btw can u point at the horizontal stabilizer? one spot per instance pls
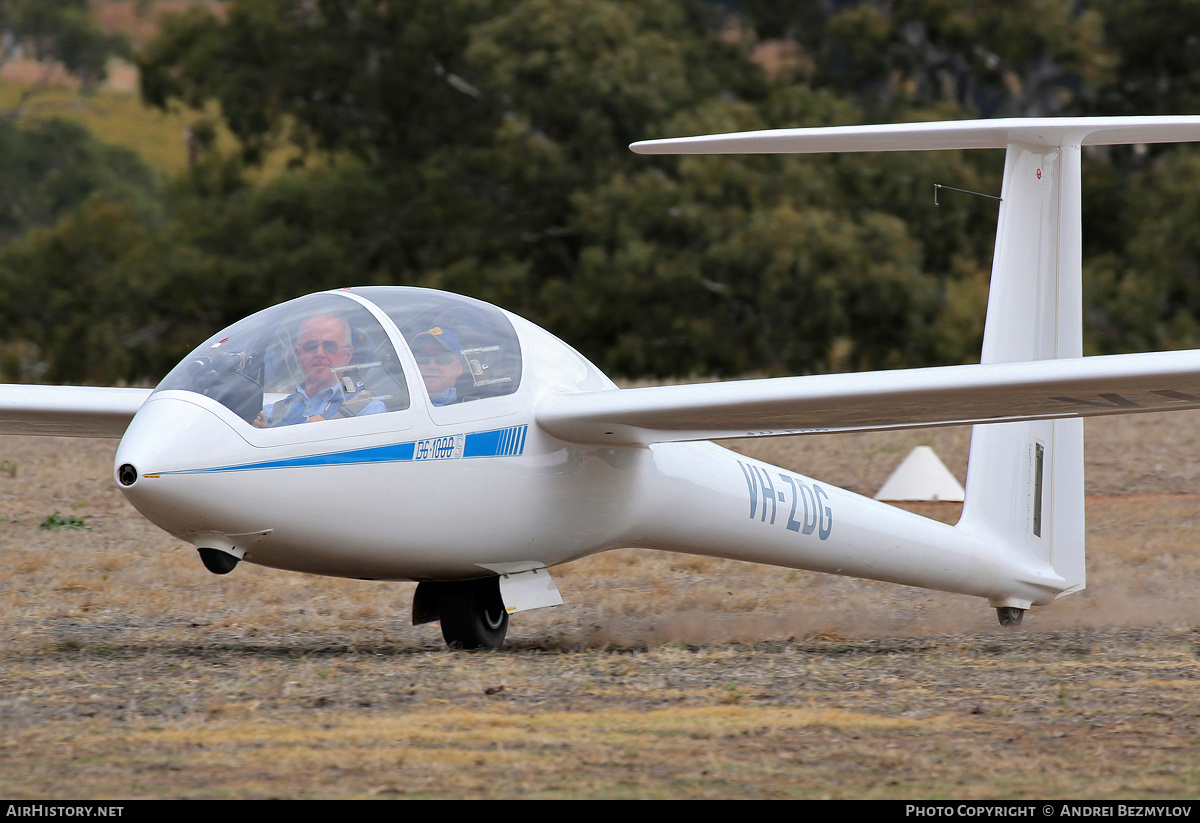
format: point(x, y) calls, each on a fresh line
point(961, 134)
point(78, 411)
point(867, 401)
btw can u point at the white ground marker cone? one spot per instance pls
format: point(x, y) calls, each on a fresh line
point(922, 476)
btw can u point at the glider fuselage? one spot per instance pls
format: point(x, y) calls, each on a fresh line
point(476, 488)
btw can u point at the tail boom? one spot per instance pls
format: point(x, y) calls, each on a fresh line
point(724, 505)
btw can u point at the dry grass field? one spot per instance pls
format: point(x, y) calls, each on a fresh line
point(130, 672)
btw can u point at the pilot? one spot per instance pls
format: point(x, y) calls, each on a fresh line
point(439, 356)
point(322, 346)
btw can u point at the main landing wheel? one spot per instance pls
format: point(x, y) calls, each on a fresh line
point(1009, 616)
point(472, 614)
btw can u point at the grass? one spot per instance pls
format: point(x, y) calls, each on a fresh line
point(58, 521)
point(120, 118)
point(277, 731)
point(126, 671)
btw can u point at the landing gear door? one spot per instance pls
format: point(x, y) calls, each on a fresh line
point(529, 588)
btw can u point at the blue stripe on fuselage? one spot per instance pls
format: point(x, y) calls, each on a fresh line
point(508, 442)
point(498, 443)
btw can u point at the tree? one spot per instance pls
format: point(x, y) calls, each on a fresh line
point(382, 80)
point(58, 34)
point(480, 146)
point(1147, 298)
point(79, 300)
point(48, 168)
point(480, 120)
point(1156, 47)
point(991, 57)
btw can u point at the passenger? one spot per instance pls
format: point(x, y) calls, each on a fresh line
point(323, 345)
point(439, 355)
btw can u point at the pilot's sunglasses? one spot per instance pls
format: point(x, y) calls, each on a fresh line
point(311, 346)
point(441, 358)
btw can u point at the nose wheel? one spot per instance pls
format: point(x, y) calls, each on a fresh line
point(1009, 616)
point(218, 562)
point(472, 614)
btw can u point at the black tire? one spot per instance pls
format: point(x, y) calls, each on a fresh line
point(1009, 616)
point(217, 561)
point(473, 615)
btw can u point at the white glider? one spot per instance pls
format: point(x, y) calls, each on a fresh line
point(400, 433)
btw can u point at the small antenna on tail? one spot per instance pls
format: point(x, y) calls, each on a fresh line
point(937, 186)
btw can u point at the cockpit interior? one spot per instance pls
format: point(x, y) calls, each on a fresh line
point(337, 355)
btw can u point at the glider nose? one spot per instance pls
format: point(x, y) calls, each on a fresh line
point(165, 455)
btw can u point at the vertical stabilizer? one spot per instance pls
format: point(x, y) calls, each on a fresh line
point(1025, 480)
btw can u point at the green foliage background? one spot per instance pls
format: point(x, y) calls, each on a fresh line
point(481, 146)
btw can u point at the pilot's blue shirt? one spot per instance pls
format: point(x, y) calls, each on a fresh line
point(447, 397)
point(325, 403)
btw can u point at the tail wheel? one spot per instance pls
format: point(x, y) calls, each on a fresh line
point(472, 614)
point(1009, 616)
